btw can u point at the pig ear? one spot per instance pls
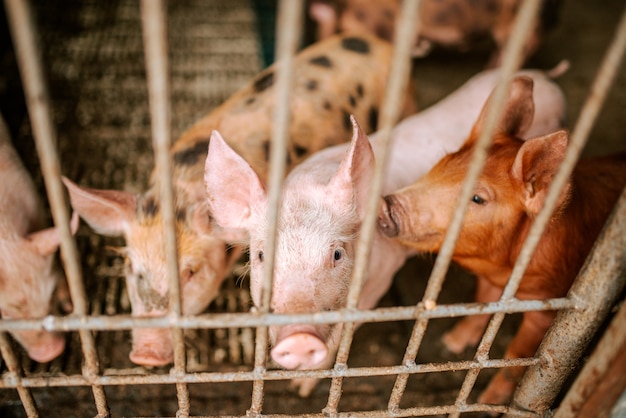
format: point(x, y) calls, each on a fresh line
point(233, 188)
point(47, 240)
point(351, 183)
point(535, 166)
point(109, 212)
point(519, 109)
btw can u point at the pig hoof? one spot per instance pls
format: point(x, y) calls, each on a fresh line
point(300, 351)
point(453, 344)
point(149, 358)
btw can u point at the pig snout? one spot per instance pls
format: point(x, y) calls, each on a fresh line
point(299, 348)
point(41, 346)
point(386, 221)
point(152, 347)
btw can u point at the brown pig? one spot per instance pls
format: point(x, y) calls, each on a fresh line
point(450, 23)
point(28, 270)
point(509, 194)
point(340, 76)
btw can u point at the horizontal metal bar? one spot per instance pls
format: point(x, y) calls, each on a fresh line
point(127, 377)
point(255, 319)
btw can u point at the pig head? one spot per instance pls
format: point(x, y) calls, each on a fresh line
point(204, 259)
point(321, 210)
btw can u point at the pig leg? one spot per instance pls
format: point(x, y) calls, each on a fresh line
point(524, 344)
point(469, 330)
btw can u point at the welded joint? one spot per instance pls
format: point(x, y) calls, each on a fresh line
point(13, 378)
point(178, 374)
point(341, 369)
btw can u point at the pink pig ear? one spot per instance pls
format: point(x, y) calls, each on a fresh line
point(351, 183)
point(519, 109)
point(109, 212)
point(233, 188)
point(535, 166)
point(47, 240)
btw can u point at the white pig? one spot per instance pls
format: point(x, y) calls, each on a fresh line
point(28, 273)
point(322, 207)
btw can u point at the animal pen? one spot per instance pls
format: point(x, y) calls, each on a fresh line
point(88, 87)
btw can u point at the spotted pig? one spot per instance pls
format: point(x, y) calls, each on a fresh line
point(342, 75)
point(448, 23)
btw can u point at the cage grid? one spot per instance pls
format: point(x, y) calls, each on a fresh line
point(245, 338)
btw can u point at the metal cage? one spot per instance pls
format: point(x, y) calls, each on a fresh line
point(243, 334)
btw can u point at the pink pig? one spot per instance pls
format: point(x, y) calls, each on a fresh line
point(452, 23)
point(322, 207)
point(341, 75)
point(28, 274)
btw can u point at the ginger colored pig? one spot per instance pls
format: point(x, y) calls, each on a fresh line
point(323, 205)
point(332, 79)
point(448, 23)
point(28, 271)
point(509, 194)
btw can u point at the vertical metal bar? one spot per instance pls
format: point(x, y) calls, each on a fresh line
point(290, 14)
point(30, 407)
point(595, 371)
point(396, 86)
point(511, 61)
point(29, 60)
point(601, 280)
point(154, 25)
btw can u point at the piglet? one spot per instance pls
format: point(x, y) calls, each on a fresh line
point(451, 23)
point(28, 270)
point(322, 207)
point(509, 194)
point(332, 79)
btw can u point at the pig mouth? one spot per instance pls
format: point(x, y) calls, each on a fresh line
point(386, 222)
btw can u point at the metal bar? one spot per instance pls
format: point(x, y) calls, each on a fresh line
point(38, 103)
point(390, 113)
point(15, 375)
point(573, 329)
point(290, 14)
point(244, 320)
point(593, 375)
point(130, 377)
point(157, 67)
point(511, 61)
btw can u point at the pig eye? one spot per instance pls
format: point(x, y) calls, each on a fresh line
point(478, 200)
point(261, 256)
point(338, 254)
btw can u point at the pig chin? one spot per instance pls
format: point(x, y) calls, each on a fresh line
point(41, 346)
point(152, 347)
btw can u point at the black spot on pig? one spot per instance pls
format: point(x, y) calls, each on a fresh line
point(264, 82)
point(384, 32)
point(355, 44)
point(191, 156)
point(359, 90)
point(311, 85)
point(181, 215)
point(346, 120)
point(352, 100)
point(327, 105)
point(150, 207)
point(266, 149)
point(250, 100)
point(322, 61)
point(300, 150)
point(373, 118)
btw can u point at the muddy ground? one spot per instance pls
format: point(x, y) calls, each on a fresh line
point(94, 58)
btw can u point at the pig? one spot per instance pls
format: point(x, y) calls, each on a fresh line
point(322, 206)
point(452, 23)
point(343, 74)
point(29, 273)
point(509, 194)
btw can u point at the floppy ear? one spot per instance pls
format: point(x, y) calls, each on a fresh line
point(233, 188)
point(351, 183)
point(109, 212)
point(519, 109)
point(535, 166)
point(47, 240)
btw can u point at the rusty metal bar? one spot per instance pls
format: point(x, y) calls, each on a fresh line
point(591, 377)
point(15, 375)
point(245, 320)
point(573, 329)
point(130, 377)
point(289, 24)
point(511, 61)
point(390, 113)
point(37, 99)
point(154, 26)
